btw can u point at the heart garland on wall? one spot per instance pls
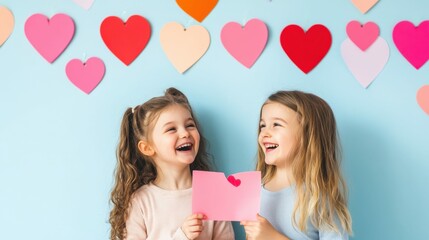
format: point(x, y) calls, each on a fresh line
point(85, 4)
point(412, 42)
point(364, 52)
point(423, 98)
point(85, 76)
point(246, 43)
point(7, 22)
point(184, 46)
point(125, 40)
point(364, 5)
point(197, 9)
point(306, 49)
point(50, 37)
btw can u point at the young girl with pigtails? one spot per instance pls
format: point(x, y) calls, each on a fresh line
point(160, 144)
point(303, 194)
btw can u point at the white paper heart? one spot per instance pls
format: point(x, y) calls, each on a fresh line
point(85, 4)
point(365, 65)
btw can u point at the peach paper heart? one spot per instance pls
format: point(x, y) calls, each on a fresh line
point(7, 23)
point(184, 46)
point(86, 76)
point(423, 98)
point(364, 5)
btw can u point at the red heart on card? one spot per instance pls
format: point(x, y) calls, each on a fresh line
point(125, 40)
point(198, 9)
point(306, 49)
point(233, 181)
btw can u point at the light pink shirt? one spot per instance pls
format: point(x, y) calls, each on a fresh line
point(157, 214)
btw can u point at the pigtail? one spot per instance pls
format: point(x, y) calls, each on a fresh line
point(128, 174)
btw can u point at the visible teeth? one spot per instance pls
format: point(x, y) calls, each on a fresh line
point(271, 146)
point(185, 146)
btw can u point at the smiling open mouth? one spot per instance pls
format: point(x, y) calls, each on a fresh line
point(184, 147)
point(271, 146)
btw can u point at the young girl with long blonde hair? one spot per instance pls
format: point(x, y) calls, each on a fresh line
point(160, 144)
point(303, 194)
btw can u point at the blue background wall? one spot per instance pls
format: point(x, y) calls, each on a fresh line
point(57, 144)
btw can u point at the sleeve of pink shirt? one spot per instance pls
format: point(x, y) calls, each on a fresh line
point(136, 228)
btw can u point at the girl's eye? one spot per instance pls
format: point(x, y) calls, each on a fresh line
point(171, 129)
point(277, 125)
point(261, 126)
point(191, 125)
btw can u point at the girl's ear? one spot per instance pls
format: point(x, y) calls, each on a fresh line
point(146, 148)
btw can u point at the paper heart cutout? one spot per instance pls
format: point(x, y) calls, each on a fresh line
point(362, 35)
point(412, 42)
point(364, 5)
point(125, 40)
point(233, 181)
point(197, 9)
point(85, 4)
point(423, 98)
point(184, 47)
point(306, 49)
point(49, 37)
point(7, 22)
point(246, 43)
point(365, 65)
point(85, 76)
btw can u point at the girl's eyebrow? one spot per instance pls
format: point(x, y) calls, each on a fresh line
point(171, 122)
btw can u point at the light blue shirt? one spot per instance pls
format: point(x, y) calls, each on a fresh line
point(277, 208)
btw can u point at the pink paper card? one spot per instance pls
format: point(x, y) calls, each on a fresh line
point(235, 198)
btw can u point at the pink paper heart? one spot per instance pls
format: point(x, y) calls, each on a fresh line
point(365, 65)
point(184, 47)
point(423, 98)
point(246, 43)
point(7, 23)
point(233, 181)
point(412, 42)
point(85, 76)
point(49, 37)
point(85, 4)
point(362, 35)
point(364, 5)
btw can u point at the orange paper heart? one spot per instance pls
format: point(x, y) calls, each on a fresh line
point(198, 9)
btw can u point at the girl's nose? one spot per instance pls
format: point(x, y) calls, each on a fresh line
point(184, 134)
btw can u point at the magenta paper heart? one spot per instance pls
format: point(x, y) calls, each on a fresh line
point(85, 76)
point(362, 35)
point(423, 98)
point(49, 37)
point(85, 4)
point(233, 181)
point(246, 43)
point(412, 42)
point(365, 65)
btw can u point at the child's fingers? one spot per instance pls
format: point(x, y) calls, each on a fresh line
point(195, 222)
point(196, 215)
point(195, 229)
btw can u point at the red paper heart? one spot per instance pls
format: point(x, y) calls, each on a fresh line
point(233, 181)
point(306, 49)
point(125, 40)
point(198, 9)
